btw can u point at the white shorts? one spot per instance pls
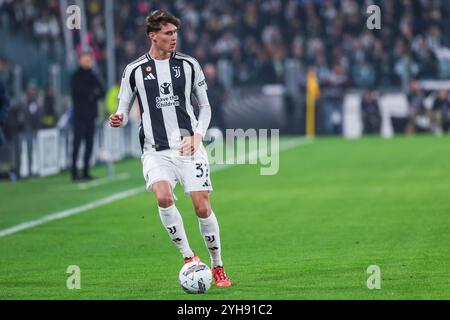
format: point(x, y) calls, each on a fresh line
point(168, 165)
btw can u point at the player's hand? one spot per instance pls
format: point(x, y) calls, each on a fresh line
point(190, 145)
point(116, 120)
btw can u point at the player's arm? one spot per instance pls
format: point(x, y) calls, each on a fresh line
point(190, 146)
point(200, 91)
point(126, 98)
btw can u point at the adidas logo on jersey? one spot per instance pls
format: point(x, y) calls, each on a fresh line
point(150, 77)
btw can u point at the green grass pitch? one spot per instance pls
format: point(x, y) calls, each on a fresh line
point(310, 232)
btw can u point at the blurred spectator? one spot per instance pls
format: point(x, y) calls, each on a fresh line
point(6, 73)
point(370, 111)
point(46, 29)
point(441, 112)
point(31, 109)
point(416, 106)
point(4, 151)
point(406, 68)
point(216, 96)
point(28, 116)
point(4, 109)
point(96, 52)
point(363, 73)
point(335, 86)
point(86, 91)
point(294, 81)
point(321, 68)
point(49, 113)
point(225, 73)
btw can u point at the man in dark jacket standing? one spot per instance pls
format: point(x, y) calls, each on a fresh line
point(371, 115)
point(4, 109)
point(86, 91)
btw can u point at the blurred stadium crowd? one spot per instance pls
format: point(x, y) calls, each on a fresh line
point(256, 37)
point(252, 43)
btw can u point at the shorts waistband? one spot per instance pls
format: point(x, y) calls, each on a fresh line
point(159, 147)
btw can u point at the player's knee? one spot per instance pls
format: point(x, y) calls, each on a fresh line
point(164, 200)
point(203, 211)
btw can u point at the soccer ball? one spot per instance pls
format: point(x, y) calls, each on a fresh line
point(195, 277)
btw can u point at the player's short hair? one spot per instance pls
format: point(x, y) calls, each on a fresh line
point(157, 18)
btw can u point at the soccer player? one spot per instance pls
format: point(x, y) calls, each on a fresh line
point(170, 134)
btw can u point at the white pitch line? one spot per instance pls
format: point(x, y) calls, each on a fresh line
point(70, 212)
point(123, 195)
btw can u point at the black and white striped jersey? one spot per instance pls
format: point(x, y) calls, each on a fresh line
point(164, 89)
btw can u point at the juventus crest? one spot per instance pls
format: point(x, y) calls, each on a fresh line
point(177, 72)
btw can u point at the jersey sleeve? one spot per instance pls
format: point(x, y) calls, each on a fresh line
point(126, 95)
point(200, 84)
point(200, 88)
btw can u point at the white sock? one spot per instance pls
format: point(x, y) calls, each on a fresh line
point(171, 219)
point(209, 228)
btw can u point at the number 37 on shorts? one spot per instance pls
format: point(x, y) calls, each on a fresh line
point(202, 174)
